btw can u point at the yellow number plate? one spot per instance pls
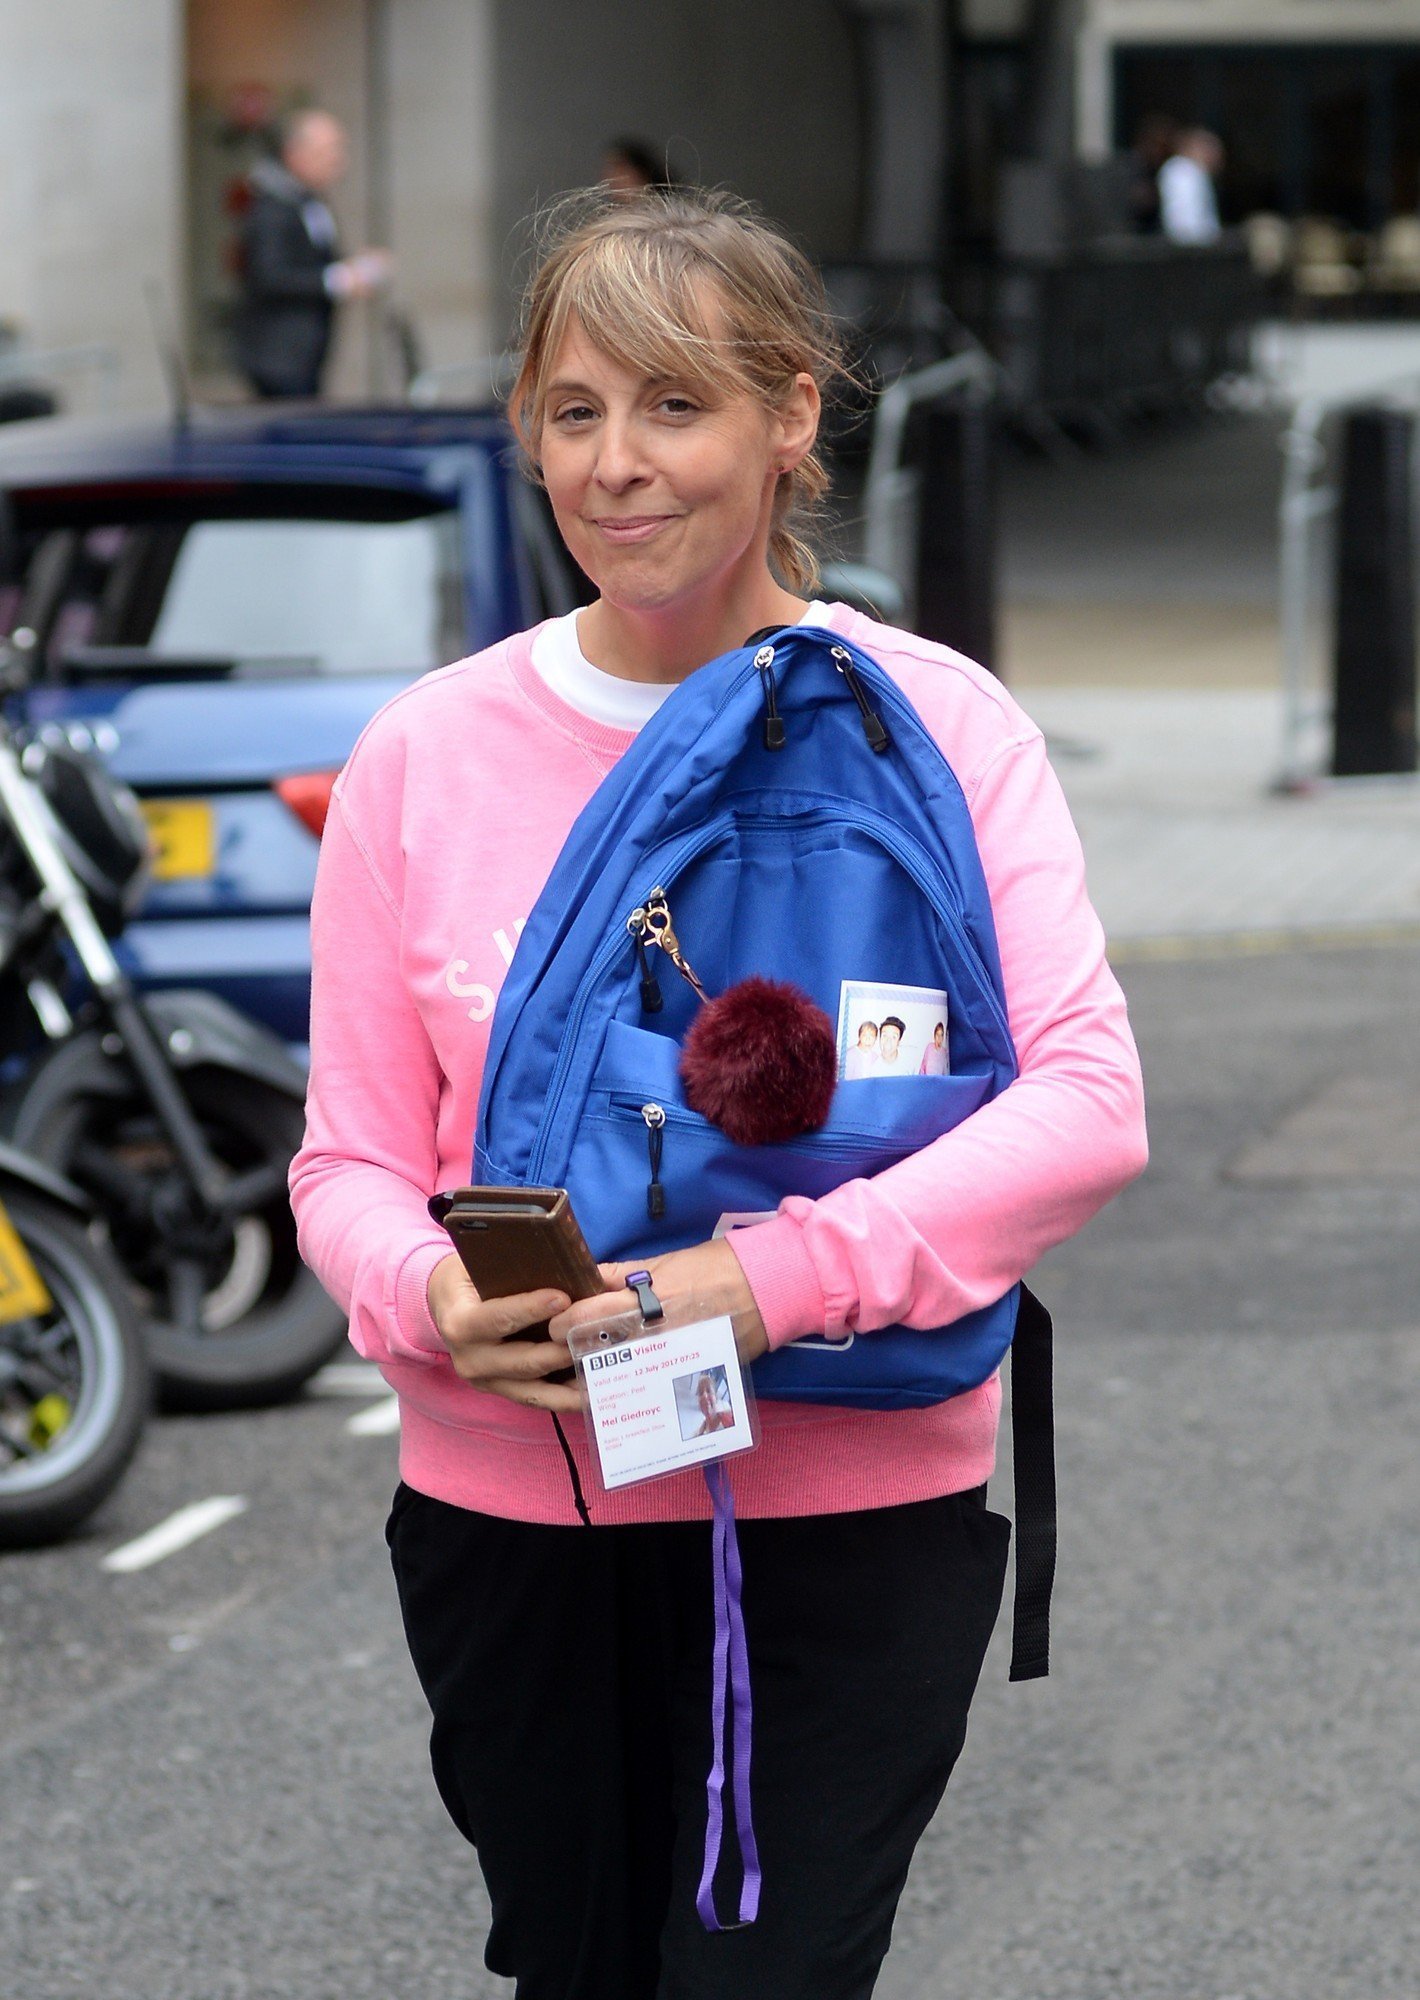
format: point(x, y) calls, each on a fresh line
point(22, 1289)
point(184, 838)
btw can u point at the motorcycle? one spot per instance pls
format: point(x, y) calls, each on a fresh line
point(171, 1112)
point(74, 1374)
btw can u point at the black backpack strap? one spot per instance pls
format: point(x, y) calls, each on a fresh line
point(1033, 1446)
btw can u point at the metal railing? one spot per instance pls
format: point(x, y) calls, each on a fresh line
point(890, 490)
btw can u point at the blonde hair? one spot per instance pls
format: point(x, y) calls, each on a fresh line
point(643, 278)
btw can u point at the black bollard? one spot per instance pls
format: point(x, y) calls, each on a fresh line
point(1374, 713)
point(953, 448)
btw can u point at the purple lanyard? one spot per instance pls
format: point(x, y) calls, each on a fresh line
point(731, 1671)
point(732, 1668)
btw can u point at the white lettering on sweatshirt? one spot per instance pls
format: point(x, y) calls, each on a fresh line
point(484, 997)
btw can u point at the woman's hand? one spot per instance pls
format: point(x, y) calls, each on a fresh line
point(478, 1334)
point(705, 1280)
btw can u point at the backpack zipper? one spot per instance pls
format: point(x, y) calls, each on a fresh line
point(878, 738)
point(773, 720)
point(611, 945)
point(624, 1104)
point(910, 855)
point(658, 1118)
point(651, 1000)
point(653, 1116)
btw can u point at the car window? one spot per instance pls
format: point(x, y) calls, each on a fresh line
point(347, 596)
point(296, 594)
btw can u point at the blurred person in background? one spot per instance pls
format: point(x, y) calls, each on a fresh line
point(1154, 142)
point(292, 268)
point(630, 166)
point(1188, 202)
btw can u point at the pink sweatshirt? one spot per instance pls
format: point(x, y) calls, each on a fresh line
point(443, 828)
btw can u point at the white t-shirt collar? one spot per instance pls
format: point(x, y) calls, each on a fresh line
point(607, 698)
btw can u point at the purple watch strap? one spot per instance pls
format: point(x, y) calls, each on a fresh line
point(731, 1666)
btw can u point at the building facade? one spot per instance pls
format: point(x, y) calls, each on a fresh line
point(873, 128)
point(91, 203)
point(126, 132)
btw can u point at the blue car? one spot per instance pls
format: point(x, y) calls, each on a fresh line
point(224, 604)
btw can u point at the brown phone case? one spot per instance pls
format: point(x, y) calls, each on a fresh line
point(519, 1240)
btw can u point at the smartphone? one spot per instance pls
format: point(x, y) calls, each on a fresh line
point(513, 1239)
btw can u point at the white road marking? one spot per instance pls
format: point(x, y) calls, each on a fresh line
point(200, 1518)
point(346, 1378)
point(378, 1421)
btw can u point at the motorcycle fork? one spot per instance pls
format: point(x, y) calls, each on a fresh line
point(207, 1176)
point(34, 822)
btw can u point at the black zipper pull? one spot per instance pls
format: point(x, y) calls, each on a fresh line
point(773, 720)
point(878, 738)
point(651, 1002)
point(655, 1119)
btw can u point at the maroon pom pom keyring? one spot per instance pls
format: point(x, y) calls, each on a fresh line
point(760, 1060)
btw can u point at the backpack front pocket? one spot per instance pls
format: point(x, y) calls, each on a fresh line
point(644, 1165)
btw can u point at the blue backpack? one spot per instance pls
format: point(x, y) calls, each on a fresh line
point(803, 825)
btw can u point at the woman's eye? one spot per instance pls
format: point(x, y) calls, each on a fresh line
point(575, 414)
point(678, 406)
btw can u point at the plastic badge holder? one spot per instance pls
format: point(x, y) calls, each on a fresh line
point(663, 1391)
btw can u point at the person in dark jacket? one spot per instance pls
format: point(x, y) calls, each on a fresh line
point(292, 268)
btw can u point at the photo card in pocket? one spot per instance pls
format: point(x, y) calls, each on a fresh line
point(889, 1031)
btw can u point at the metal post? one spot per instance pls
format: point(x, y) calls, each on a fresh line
point(954, 448)
point(890, 494)
point(1374, 655)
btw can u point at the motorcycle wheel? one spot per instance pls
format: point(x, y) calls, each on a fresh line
point(234, 1318)
point(74, 1383)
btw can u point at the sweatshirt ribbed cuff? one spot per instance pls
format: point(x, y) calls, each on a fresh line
point(782, 1277)
point(414, 1323)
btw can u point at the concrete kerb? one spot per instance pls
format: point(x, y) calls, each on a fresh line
point(1187, 839)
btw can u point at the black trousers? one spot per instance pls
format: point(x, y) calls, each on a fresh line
point(568, 1670)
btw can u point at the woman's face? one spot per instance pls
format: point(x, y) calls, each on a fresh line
point(662, 492)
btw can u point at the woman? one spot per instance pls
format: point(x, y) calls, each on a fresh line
point(863, 1056)
point(673, 362)
point(711, 1400)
